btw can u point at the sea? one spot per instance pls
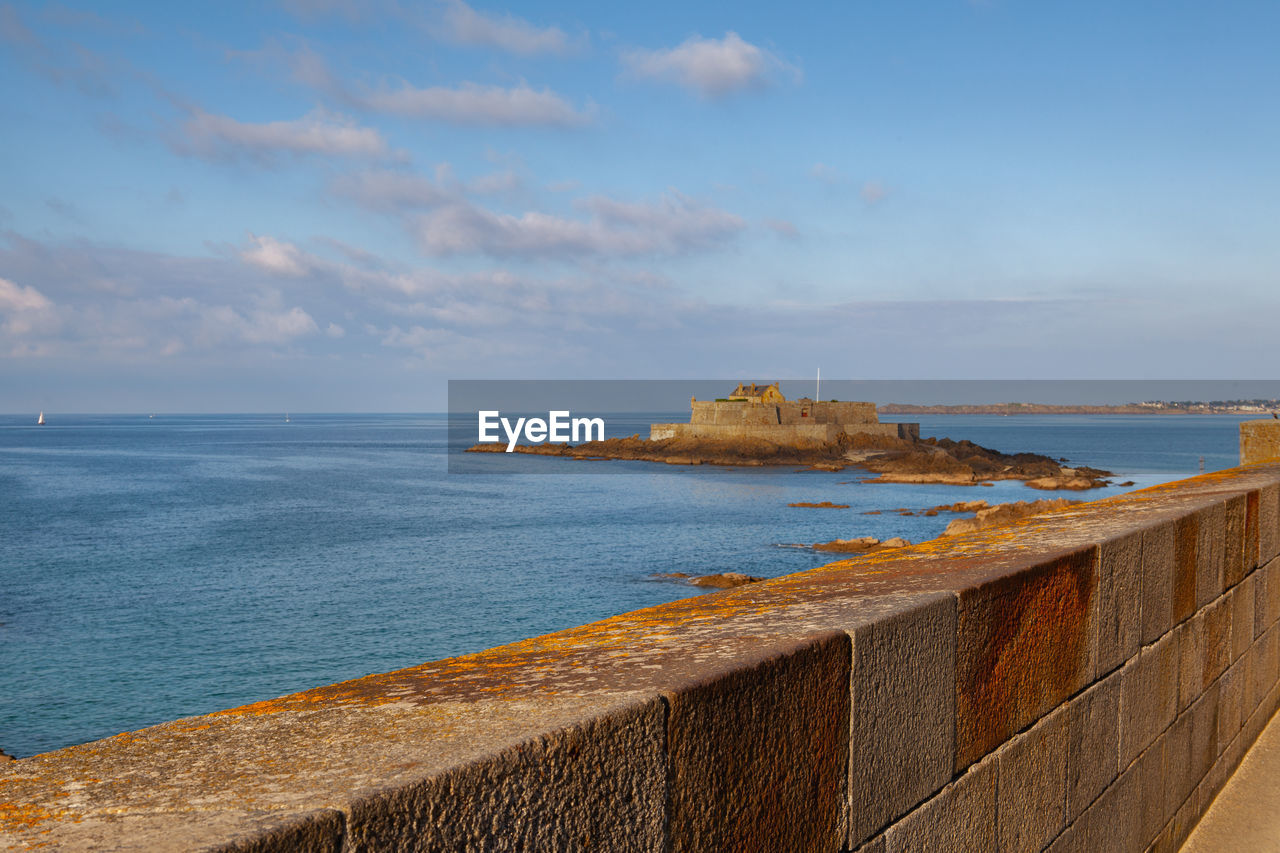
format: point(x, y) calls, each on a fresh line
point(156, 567)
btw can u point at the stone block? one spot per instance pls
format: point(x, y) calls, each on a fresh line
point(1250, 669)
point(1190, 640)
point(1179, 779)
point(1111, 822)
point(1163, 842)
point(1186, 566)
point(902, 715)
point(1093, 744)
point(599, 784)
point(875, 845)
point(1263, 662)
point(1252, 531)
point(1266, 603)
point(1242, 620)
point(1211, 535)
point(958, 819)
point(1185, 819)
point(1149, 773)
point(1236, 564)
point(760, 752)
point(1119, 601)
point(1157, 581)
point(1268, 523)
point(1148, 697)
point(1204, 734)
point(1230, 703)
point(1025, 642)
point(1217, 644)
point(1259, 441)
point(1033, 784)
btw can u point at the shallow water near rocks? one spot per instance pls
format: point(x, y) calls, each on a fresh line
point(159, 568)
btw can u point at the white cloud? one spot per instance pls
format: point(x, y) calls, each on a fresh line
point(711, 67)
point(461, 24)
point(873, 192)
point(319, 132)
point(14, 297)
point(386, 190)
point(25, 311)
point(275, 256)
point(675, 224)
point(335, 331)
point(474, 104)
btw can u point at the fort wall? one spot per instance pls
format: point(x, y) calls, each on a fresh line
point(787, 434)
point(1081, 680)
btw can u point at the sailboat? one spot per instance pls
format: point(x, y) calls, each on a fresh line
point(286, 417)
point(40, 420)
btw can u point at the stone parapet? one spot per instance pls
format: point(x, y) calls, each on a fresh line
point(1259, 441)
point(1081, 680)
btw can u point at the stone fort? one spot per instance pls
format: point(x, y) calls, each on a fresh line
point(761, 411)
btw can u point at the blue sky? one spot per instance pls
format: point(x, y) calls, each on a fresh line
point(326, 205)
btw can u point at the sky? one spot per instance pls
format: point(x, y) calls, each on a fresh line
point(331, 205)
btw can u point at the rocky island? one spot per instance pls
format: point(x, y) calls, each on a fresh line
point(756, 425)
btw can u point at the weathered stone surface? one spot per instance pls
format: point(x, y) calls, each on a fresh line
point(958, 819)
point(1112, 822)
point(902, 722)
point(1230, 703)
point(1119, 601)
point(760, 752)
point(1025, 643)
point(1259, 441)
point(1251, 695)
point(1149, 775)
point(319, 831)
point(1242, 621)
point(1268, 523)
point(1210, 553)
point(1252, 530)
point(276, 774)
point(1190, 639)
point(1263, 661)
point(1157, 582)
point(1033, 784)
point(1204, 734)
point(1179, 780)
point(1186, 566)
point(594, 786)
point(875, 845)
point(1148, 697)
point(1234, 568)
point(1266, 604)
point(1216, 634)
point(1185, 819)
point(1093, 743)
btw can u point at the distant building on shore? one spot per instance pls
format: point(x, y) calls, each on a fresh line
point(761, 411)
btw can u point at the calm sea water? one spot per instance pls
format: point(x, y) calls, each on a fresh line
point(159, 568)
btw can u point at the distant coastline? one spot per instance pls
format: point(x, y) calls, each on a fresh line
point(1157, 407)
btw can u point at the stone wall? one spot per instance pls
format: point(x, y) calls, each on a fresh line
point(790, 434)
point(790, 412)
point(1082, 680)
point(1259, 440)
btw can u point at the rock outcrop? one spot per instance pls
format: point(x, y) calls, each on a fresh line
point(722, 580)
point(894, 460)
point(1001, 513)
